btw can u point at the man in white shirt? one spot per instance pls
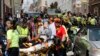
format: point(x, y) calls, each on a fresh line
point(45, 31)
point(52, 27)
point(53, 30)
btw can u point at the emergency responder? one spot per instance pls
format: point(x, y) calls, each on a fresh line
point(66, 19)
point(23, 32)
point(93, 21)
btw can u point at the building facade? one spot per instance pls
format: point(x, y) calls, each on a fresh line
point(7, 6)
point(12, 6)
point(94, 7)
point(17, 6)
point(27, 6)
point(64, 5)
point(80, 6)
point(39, 5)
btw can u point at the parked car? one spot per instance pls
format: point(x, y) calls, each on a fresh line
point(87, 42)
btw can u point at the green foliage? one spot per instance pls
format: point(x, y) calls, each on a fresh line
point(54, 5)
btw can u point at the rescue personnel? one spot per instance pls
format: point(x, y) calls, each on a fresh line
point(78, 18)
point(66, 19)
point(23, 32)
point(93, 21)
point(83, 21)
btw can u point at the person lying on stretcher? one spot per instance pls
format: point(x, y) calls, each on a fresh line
point(38, 47)
point(28, 44)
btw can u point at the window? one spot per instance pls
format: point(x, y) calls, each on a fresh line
point(94, 35)
point(96, 11)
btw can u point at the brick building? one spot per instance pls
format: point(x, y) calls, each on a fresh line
point(94, 7)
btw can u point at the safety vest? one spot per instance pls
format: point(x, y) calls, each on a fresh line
point(74, 29)
point(23, 32)
point(89, 19)
point(78, 19)
point(93, 21)
point(83, 21)
point(66, 19)
point(59, 15)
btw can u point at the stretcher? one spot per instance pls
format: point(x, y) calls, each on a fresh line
point(37, 47)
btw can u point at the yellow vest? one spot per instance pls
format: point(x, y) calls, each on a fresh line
point(89, 19)
point(74, 29)
point(23, 32)
point(83, 21)
point(78, 19)
point(93, 21)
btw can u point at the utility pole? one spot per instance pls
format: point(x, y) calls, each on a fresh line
point(2, 10)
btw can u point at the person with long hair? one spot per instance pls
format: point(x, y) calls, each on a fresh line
point(12, 39)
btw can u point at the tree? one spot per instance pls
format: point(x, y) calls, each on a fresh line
point(52, 6)
point(58, 10)
point(55, 4)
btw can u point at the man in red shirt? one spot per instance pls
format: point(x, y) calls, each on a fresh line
point(60, 31)
point(60, 34)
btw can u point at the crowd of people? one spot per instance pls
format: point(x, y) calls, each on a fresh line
point(19, 33)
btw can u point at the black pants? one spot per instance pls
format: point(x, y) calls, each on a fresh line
point(13, 51)
point(2, 43)
point(21, 41)
point(60, 52)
